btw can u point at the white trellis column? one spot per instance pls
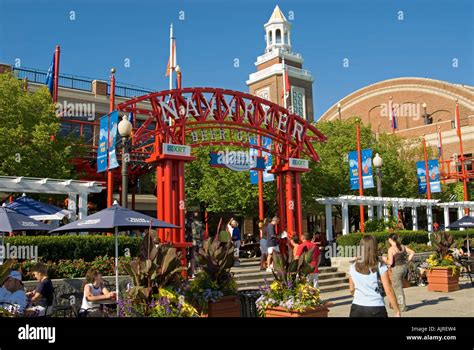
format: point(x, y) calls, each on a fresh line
point(329, 234)
point(460, 215)
point(471, 211)
point(82, 205)
point(446, 218)
point(385, 213)
point(370, 212)
point(414, 218)
point(429, 218)
point(395, 211)
point(72, 205)
point(345, 218)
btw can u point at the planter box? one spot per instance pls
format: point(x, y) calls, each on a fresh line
point(442, 280)
point(319, 311)
point(226, 307)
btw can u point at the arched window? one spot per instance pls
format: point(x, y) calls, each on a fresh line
point(278, 36)
point(270, 38)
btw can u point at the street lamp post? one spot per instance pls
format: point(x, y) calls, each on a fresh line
point(339, 110)
point(125, 130)
point(378, 162)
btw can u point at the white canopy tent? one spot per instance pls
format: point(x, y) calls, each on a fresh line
point(74, 189)
point(383, 205)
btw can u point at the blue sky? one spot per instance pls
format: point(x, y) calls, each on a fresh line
point(214, 33)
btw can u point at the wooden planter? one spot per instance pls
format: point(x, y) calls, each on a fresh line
point(442, 280)
point(318, 311)
point(226, 307)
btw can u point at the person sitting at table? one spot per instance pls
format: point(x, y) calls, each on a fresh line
point(12, 293)
point(42, 297)
point(94, 293)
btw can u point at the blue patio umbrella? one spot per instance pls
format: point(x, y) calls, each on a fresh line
point(115, 218)
point(11, 221)
point(464, 222)
point(37, 210)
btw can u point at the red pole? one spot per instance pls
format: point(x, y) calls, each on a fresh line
point(167, 203)
point(290, 204)
point(56, 73)
point(110, 177)
point(260, 185)
point(298, 206)
point(182, 207)
point(427, 173)
point(159, 198)
point(441, 148)
point(461, 151)
point(359, 171)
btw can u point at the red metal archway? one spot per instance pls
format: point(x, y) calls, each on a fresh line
point(210, 116)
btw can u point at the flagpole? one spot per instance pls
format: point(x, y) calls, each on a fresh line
point(427, 170)
point(284, 82)
point(441, 156)
point(110, 176)
point(391, 114)
point(461, 151)
point(56, 73)
point(171, 57)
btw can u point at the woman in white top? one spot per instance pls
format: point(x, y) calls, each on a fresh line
point(363, 282)
point(94, 291)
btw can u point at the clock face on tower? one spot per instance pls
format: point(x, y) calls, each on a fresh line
point(298, 101)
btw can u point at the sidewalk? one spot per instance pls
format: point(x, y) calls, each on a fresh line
point(420, 302)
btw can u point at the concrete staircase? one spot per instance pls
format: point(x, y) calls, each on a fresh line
point(249, 277)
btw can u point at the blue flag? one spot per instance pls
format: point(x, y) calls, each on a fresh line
point(50, 76)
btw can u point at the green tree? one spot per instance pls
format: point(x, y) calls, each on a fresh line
point(29, 127)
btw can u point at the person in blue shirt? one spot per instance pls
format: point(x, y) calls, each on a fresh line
point(236, 240)
point(364, 277)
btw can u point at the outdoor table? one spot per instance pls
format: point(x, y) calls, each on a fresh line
point(104, 302)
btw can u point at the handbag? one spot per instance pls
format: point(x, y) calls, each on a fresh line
point(380, 288)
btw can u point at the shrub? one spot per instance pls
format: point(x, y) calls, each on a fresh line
point(73, 268)
point(56, 248)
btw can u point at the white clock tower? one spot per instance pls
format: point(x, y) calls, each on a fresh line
point(269, 80)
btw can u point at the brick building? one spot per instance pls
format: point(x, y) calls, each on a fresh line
point(422, 107)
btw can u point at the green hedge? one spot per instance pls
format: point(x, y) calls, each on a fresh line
point(55, 248)
point(407, 237)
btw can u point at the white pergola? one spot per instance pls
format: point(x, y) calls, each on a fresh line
point(74, 189)
point(383, 205)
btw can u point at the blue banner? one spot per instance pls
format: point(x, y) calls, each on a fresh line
point(113, 139)
point(103, 144)
point(433, 169)
point(267, 177)
point(367, 178)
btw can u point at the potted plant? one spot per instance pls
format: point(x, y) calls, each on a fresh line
point(213, 290)
point(443, 272)
point(157, 281)
point(290, 294)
